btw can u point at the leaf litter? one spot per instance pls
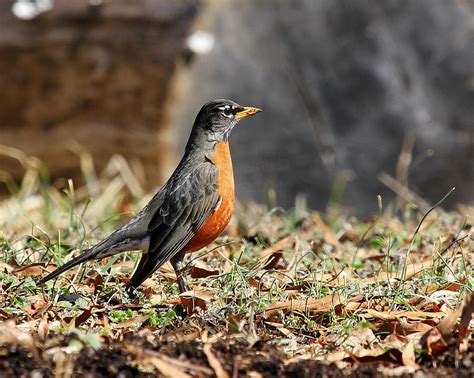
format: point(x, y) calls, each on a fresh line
point(283, 293)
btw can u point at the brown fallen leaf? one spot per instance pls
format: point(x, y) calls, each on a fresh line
point(281, 327)
point(433, 342)
point(329, 235)
point(320, 305)
point(201, 272)
point(286, 243)
point(6, 268)
point(462, 342)
point(185, 333)
point(333, 357)
point(125, 266)
point(408, 355)
point(275, 261)
point(83, 317)
point(395, 341)
point(353, 304)
point(376, 355)
point(96, 280)
point(324, 279)
point(38, 305)
point(196, 299)
point(362, 342)
point(404, 328)
point(149, 292)
point(412, 270)
point(447, 324)
point(35, 269)
point(436, 340)
point(167, 369)
point(394, 315)
point(186, 365)
point(11, 334)
point(455, 286)
point(214, 362)
point(137, 320)
point(43, 328)
point(424, 292)
point(254, 283)
point(168, 366)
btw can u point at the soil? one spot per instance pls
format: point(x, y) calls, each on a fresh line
point(236, 357)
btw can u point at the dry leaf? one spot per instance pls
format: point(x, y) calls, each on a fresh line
point(137, 320)
point(168, 366)
point(405, 328)
point(466, 316)
point(412, 270)
point(437, 339)
point(167, 369)
point(394, 341)
point(394, 315)
point(96, 280)
point(38, 305)
point(11, 334)
point(447, 324)
point(43, 328)
point(323, 279)
point(196, 298)
point(275, 261)
point(286, 243)
point(320, 305)
point(360, 343)
point(35, 269)
point(329, 235)
point(186, 365)
point(200, 272)
point(408, 355)
point(433, 342)
point(254, 283)
point(375, 355)
point(214, 362)
point(352, 305)
point(83, 317)
point(6, 268)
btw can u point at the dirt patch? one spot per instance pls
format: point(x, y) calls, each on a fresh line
point(236, 357)
point(16, 361)
point(107, 362)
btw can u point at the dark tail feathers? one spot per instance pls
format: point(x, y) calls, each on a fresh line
point(87, 255)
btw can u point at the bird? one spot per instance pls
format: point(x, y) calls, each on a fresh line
point(190, 211)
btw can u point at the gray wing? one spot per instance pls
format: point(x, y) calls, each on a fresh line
point(191, 196)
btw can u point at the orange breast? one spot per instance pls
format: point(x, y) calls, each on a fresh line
point(220, 218)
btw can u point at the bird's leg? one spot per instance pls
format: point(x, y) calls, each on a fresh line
point(177, 263)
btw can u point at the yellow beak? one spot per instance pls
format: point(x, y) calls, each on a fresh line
point(247, 111)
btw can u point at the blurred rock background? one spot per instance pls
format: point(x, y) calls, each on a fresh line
point(360, 98)
point(80, 75)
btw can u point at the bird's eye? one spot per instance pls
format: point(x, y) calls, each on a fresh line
point(227, 112)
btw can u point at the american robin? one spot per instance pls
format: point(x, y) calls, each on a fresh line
point(192, 208)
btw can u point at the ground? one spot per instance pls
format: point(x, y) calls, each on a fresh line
point(282, 293)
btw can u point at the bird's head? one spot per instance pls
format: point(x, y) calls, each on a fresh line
point(217, 118)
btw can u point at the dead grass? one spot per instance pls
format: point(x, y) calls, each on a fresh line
point(329, 288)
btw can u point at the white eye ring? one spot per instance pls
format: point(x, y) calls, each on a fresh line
point(227, 111)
